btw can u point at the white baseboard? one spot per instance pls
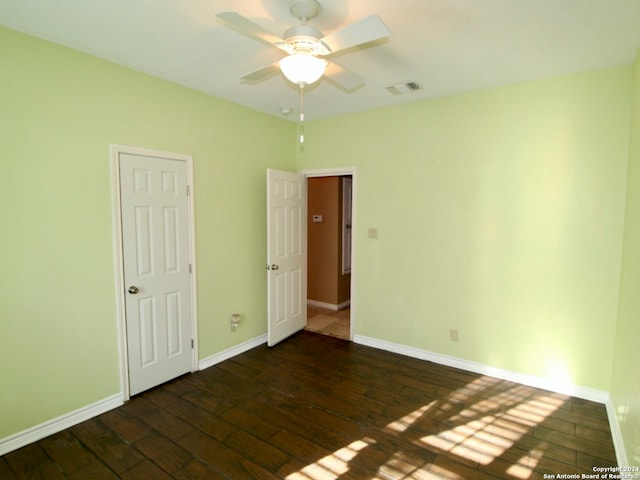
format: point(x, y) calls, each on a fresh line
point(330, 306)
point(231, 352)
point(68, 420)
point(58, 424)
point(63, 422)
point(529, 380)
point(616, 435)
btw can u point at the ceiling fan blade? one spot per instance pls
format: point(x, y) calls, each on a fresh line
point(343, 78)
point(252, 29)
point(261, 74)
point(366, 30)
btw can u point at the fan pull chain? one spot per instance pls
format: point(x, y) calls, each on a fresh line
point(302, 113)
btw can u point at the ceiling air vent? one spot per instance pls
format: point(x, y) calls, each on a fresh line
point(403, 88)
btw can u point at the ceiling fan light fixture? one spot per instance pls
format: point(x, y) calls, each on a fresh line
point(303, 68)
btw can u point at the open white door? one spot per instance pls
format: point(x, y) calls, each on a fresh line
point(286, 254)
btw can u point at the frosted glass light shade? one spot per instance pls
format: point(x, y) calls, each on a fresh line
point(302, 68)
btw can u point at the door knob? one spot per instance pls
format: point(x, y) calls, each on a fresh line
point(133, 290)
point(274, 267)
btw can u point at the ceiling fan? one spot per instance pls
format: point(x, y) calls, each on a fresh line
point(305, 46)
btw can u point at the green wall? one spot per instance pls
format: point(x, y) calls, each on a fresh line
point(625, 389)
point(60, 111)
point(499, 214)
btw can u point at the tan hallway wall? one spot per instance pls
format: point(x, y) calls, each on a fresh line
point(326, 283)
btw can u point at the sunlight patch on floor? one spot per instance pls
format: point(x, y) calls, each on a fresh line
point(332, 466)
point(483, 429)
point(397, 468)
point(483, 433)
point(471, 424)
point(405, 422)
point(524, 467)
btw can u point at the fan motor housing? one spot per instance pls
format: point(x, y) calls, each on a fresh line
point(304, 38)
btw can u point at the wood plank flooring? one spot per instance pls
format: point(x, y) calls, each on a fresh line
point(317, 407)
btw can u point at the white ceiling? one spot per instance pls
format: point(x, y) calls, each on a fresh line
point(447, 46)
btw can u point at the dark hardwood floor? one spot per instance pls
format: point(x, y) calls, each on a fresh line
point(317, 407)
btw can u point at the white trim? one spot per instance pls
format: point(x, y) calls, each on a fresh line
point(232, 352)
point(58, 424)
point(329, 306)
point(341, 171)
point(193, 263)
point(329, 172)
point(523, 379)
point(616, 435)
point(118, 261)
point(346, 234)
point(114, 153)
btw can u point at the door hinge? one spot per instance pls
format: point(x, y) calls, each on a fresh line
point(192, 343)
point(188, 190)
point(190, 268)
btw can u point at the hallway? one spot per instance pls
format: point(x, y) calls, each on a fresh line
point(329, 322)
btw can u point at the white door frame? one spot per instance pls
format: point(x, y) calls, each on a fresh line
point(335, 172)
point(118, 256)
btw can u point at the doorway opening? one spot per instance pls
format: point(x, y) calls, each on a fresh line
point(329, 254)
